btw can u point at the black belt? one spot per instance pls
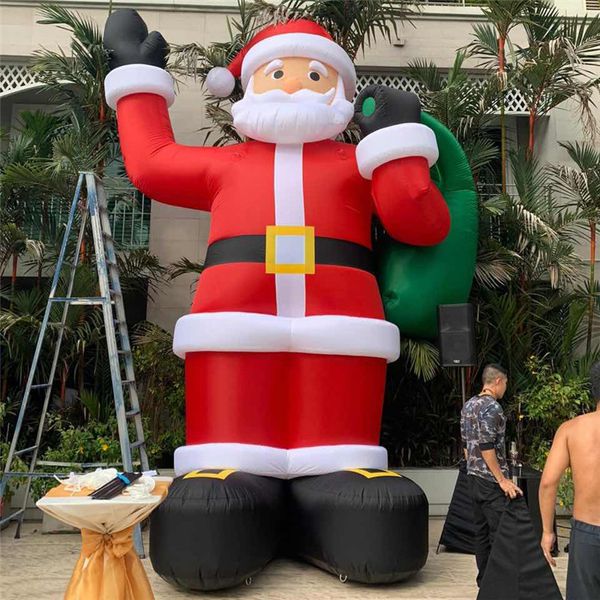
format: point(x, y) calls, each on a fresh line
point(252, 248)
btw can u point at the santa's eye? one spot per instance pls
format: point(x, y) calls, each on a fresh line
point(314, 76)
point(277, 74)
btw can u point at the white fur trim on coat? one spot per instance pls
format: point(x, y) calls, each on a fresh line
point(138, 79)
point(279, 462)
point(305, 45)
point(396, 141)
point(254, 332)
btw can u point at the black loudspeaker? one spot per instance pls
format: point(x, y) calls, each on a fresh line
point(457, 335)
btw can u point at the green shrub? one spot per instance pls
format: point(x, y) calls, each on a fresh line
point(552, 399)
point(160, 379)
point(93, 442)
point(549, 401)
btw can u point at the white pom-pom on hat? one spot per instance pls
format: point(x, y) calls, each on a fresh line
point(220, 82)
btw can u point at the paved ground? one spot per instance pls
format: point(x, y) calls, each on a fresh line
point(38, 567)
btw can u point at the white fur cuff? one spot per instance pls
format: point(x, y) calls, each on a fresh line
point(391, 143)
point(138, 79)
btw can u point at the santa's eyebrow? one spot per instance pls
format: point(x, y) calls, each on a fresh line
point(319, 67)
point(274, 64)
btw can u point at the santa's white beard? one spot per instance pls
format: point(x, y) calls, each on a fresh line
point(280, 118)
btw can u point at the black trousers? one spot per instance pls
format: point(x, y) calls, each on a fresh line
point(489, 502)
point(583, 575)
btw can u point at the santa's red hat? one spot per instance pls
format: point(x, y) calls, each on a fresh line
point(301, 38)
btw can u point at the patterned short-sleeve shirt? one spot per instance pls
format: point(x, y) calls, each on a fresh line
point(483, 427)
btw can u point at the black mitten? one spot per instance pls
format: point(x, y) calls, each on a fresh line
point(378, 106)
point(127, 41)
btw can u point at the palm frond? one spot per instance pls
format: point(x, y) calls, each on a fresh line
point(140, 271)
point(185, 266)
point(496, 266)
point(422, 357)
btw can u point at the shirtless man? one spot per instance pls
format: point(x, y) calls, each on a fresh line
point(577, 445)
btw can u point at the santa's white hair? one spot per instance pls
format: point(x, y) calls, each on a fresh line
point(305, 116)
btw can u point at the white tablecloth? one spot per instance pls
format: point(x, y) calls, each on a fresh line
point(108, 567)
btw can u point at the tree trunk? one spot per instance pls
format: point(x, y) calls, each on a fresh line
point(13, 277)
point(592, 285)
point(43, 237)
point(63, 383)
point(501, 69)
point(531, 143)
point(80, 378)
point(4, 387)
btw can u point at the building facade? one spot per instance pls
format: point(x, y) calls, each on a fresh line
point(435, 32)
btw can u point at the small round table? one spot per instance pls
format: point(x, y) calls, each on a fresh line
point(108, 567)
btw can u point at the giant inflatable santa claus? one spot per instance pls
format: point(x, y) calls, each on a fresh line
point(286, 344)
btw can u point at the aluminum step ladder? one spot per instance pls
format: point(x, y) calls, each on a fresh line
point(90, 204)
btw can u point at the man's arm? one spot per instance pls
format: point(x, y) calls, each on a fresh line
point(556, 463)
point(463, 435)
point(507, 486)
point(490, 419)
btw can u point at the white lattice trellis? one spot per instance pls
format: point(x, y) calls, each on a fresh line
point(14, 77)
point(450, 2)
point(515, 103)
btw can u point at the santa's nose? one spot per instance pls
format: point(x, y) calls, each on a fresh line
point(292, 85)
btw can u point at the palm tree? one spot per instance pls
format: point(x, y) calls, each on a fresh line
point(140, 271)
point(490, 41)
point(42, 165)
point(465, 106)
point(537, 227)
point(554, 66)
point(580, 186)
point(557, 64)
point(84, 135)
point(31, 141)
point(526, 261)
point(77, 81)
point(353, 25)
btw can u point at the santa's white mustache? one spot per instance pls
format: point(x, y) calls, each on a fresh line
point(305, 116)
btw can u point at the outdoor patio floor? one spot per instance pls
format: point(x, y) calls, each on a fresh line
point(39, 566)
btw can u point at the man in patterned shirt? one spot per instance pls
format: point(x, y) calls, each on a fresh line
point(482, 426)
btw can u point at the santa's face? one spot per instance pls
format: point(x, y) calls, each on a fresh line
point(293, 101)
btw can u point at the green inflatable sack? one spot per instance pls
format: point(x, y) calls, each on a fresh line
point(415, 280)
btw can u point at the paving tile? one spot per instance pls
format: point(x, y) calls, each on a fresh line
point(38, 567)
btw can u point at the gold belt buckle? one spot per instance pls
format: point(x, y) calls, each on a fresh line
point(290, 249)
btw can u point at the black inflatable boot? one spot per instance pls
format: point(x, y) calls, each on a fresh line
point(365, 525)
point(216, 528)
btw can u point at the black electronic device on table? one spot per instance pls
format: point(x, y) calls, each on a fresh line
point(115, 486)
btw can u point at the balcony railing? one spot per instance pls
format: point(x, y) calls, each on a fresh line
point(450, 2)
point(14, 77)
point(514, 102)
point(129, 215)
